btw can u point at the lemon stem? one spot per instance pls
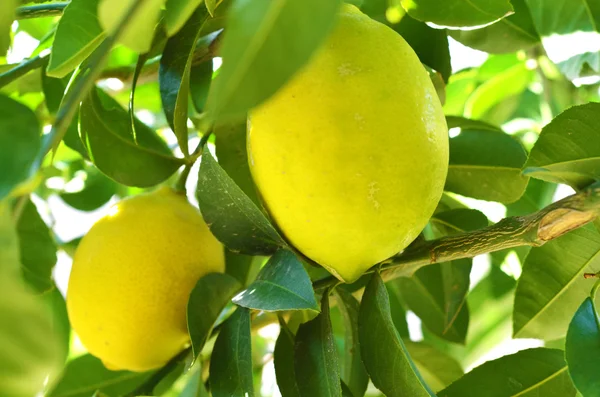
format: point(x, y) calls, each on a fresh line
point(185, 173)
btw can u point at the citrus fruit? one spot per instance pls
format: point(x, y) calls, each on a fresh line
point(350, 156)
point(132, 275)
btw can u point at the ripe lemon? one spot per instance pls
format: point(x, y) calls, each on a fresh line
point(132, 275)
point(351, 155)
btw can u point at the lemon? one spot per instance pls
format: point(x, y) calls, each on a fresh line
point(132, 275)
point(350, 156)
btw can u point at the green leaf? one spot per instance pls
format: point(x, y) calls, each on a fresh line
point(568, 150)
point(353, 371)
point(486, 165)
point(265, 43)
point(282, 284)
point(469, 124)
point(561, 23)
point(174, 76)
point(72, 42)
point(7, 16)
point(85, 374)
point(142, 160)
point(232, 217)
point(37, 248)
point(552, 286)
point(231, 360)
point(397, 308)
point(194, 387)
point(583, 349)
point(315, 356)
point(139, 32)
point(210, 6)
point(60, 323)
point(384, 354)
point(243, 268)
point(438, 369)
point(460, 86)
point(207, 300)
point(96, 192)
point(532, 372)
point(200, 80)
point(177, 13)
point(233, 156)
point(19, 131)
point(537, 195)
point(513, 33)
point(458, 13)
point(283, 358)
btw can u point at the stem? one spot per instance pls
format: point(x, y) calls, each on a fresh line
point(533, 230)
point(23, 68)
point(41, 10)
point(180, 184)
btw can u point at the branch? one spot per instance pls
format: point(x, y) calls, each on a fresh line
point(534, 230)
point(23, 68)
point(41, 10)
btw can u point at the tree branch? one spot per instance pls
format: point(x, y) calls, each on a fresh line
point(40, 10)
point(531, 230)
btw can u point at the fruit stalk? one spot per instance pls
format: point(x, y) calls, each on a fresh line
point(534, 230)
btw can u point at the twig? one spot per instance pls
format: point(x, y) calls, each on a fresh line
point(41, 10)
point(23, 68)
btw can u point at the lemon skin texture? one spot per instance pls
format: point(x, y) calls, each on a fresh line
point(351, 155)
point(132, 275)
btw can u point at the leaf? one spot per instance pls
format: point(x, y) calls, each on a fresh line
point(233, 156)
point(561, 23)
point(282, 284)
point(61, 327)
point(16, 163)
point(438, 369)
point(283, 358)
point(231, 360)
point(243, 268)
point(568, 149)
point(105, 127)
point(537, 195)
point(96, 192)
point(200, 80)
point(384, 354)
point(583, 349)
point(552, 286)
point(174, 76)
point(85, 374)
point(37, 248)
point(139, 31)
point(513, 33)
point(232, 217)
point(353, 371)
point(397, 309)
point(72, 42)
point(177, 13)
point(7, 16)
point(266, 42)
point(469, 124)
point(194, 387)
point(207, 300)
point(315, 356)
point(535, 372)
point(458, 13)
point(486, 165)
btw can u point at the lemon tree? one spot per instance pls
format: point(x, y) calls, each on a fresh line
point(299, 198)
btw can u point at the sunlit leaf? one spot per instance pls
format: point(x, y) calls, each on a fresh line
point(7, 14)
point(458, 13)
point(438, 369)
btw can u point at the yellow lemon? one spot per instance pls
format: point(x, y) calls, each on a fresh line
point(351, 155)
point(132, 275)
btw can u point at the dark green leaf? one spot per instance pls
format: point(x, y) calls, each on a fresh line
point(456, 221)
point(469, 124)
point(37, 247)
point(142, 160)
point(7, 15)
point(231, 360)
point(265, 43)
point(537, 195)
point(397, 308)
point(178, 12)
point(232, 217)
point(86, 374)
point(383, 352)
point(200, 79)
point(510, 34)
point(438, 369)
point(457, 13)
point(77, 36)
point(486, 165)
point(243, 267)
point(561, 23)
point(283, 358)
point(282, 284)
point(97, 191)
point(315, 356)
point(583, 349)
point(233, 156)
point(60, 322)
point(552, 286)
point(533, 372)
point(207, 300)
point(353, 372)
point(174, 76)
point(19, 131)
point(568, 150)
